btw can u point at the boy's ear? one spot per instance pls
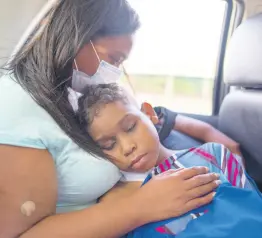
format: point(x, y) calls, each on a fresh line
point(147, 109)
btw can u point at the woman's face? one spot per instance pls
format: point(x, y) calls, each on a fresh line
point(112, 49)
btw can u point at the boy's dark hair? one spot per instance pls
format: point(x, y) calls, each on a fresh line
point(94, 98)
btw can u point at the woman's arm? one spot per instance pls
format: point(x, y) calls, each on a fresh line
point(204, 132)
point(109, 219)
point(26, 175)
point(122, 190)
point(30, 175)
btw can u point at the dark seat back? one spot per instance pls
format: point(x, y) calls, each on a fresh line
point(240, 115)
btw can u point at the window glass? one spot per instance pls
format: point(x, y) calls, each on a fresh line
point(175, 53)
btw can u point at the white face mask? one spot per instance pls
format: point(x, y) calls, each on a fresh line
point(105, 74)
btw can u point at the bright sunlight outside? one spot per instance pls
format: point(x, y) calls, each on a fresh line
point(174, 58)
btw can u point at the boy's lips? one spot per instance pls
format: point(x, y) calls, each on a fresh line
point(137, 159)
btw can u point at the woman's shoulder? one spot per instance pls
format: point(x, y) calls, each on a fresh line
point(25, 123)
point(15, 101)
point(21, 117)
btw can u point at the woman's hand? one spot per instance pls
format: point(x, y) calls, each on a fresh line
point(174, 193)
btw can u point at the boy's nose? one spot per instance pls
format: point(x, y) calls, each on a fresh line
point(129, 151)
point(128, 148)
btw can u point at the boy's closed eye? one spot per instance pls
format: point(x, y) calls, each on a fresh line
point(130, 127)
point(128, 123)
point(109, 144)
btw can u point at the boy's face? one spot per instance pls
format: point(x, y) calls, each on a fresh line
point(127, 136)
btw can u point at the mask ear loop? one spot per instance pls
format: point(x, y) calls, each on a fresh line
point(76, 65)
point(73, 94)
point(129, 80)
point(97, 56)
point(95, 53)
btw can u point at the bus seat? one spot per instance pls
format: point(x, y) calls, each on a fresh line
point(240, 115)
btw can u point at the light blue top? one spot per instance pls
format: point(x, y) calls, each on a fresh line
point(81, 177)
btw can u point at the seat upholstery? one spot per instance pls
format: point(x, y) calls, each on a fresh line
point(240, 115)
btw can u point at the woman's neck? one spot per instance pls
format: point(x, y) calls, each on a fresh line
point(164, 154)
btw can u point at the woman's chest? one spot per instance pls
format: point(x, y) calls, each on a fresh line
point(81, 177)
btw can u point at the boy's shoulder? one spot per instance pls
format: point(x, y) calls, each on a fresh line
point(208, 153)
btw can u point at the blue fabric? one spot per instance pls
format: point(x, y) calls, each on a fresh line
point(218, 159)
point(178, 141)
point(234, 213)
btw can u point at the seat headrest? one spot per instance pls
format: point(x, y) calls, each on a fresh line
point(243, 63)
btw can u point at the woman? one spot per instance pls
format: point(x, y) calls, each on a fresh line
point(50, 178)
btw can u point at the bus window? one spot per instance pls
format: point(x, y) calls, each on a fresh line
point(175, 53)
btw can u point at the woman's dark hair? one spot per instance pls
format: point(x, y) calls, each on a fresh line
point(43, 66)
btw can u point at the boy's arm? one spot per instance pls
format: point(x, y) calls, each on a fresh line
point(204, 132)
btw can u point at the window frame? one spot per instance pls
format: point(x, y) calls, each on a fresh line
point(233, 17)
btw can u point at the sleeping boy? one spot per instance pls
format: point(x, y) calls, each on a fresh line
point(127, 136)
